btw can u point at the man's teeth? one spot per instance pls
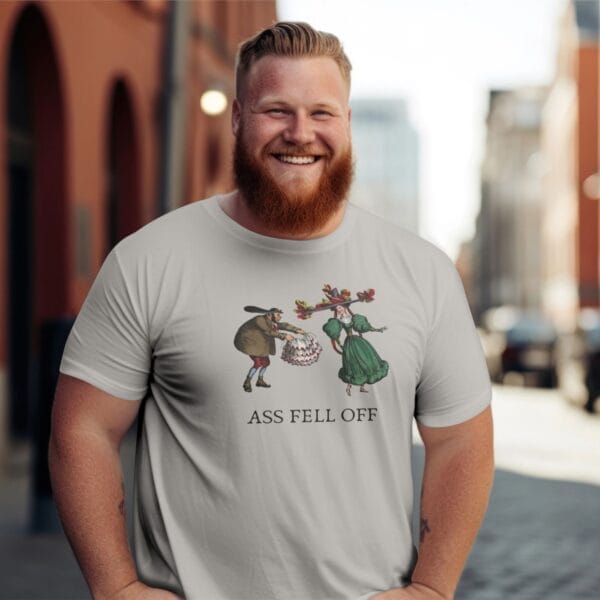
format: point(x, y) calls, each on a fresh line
point(297, 160)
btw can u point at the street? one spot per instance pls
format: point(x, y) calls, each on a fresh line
point(541, 536)
point(540, 539)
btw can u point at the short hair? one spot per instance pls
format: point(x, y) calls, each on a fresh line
point(290, 39)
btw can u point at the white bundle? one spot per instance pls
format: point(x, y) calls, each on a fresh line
point(302, 350)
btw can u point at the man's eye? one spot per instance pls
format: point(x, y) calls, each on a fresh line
point(276, 111)
point(321, 114)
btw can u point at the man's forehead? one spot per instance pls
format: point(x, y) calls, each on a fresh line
point(270, 72)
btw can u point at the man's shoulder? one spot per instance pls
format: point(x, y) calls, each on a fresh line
point(177, 221)
point(176, 228)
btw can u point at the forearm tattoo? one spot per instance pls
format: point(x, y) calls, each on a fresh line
point(122, 503)
point(424, 529)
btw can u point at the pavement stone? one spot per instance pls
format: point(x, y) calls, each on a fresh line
point(540, 540)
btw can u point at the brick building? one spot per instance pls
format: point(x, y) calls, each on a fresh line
point(101, 130)
point(570, 134)
point(507, 258)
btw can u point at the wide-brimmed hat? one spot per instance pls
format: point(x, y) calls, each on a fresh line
point(263, 311)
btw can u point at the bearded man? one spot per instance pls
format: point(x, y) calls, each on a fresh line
point(281, 507)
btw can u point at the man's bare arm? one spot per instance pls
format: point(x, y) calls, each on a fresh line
point(457, 480)
point(87, 428)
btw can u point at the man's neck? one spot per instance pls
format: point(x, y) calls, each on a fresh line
point(235, 207)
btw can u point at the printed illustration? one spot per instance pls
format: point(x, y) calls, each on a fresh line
point(256, 338)
point(302, 351)
point(361, 364)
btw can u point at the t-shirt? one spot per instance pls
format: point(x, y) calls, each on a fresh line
point(280, 379)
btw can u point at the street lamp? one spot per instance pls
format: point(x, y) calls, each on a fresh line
point(213, 102)
point(591, 186)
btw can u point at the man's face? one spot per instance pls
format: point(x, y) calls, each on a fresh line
point(293, 160)
point(275, 316)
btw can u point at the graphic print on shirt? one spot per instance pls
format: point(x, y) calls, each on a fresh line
point(256, 338)
point(361, 364)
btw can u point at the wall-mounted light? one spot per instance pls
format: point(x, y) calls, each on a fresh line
point(213, 102)
point(591, 186)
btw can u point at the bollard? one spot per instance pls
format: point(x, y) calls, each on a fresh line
point(53, 336)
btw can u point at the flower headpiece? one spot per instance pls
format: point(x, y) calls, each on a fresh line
point(333, 297)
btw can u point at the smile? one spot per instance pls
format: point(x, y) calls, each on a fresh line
point(296, 160)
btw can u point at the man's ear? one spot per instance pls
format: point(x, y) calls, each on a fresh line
point(236, 114)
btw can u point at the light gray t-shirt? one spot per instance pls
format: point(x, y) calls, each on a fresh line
point(302, 489)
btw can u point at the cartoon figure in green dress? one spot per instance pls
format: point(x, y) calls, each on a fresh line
point(361, 364)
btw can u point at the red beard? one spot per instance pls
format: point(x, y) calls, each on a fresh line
point(292, 214)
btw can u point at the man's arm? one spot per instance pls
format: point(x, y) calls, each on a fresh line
point(289, 327)
point(87, 428)
point(457, 480)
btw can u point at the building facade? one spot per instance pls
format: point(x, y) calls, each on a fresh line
point(570, 222)
point(101, 131)
point(507, 255)
point(386, 147)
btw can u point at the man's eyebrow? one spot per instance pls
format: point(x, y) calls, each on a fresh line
point(271, 100)
point(333, 106)
point(276, 101)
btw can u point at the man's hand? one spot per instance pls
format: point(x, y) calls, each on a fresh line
point(415, 591)
point(139, 591)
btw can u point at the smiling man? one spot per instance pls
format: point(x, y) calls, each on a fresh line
point(237, 496)
point(293, 158)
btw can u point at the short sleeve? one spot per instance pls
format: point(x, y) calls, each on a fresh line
point(333, 328)
point(454, 384)
point(108, 346)
point(361, 324)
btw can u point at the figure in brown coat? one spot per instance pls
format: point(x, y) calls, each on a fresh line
point(256, 338)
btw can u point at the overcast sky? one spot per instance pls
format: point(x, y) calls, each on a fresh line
point(442, 56)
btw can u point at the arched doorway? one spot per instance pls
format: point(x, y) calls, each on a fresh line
point(122, 167)
point(37, 217)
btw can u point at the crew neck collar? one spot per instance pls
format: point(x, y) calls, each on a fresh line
point(213, 208)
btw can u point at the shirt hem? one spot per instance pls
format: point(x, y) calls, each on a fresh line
point(454, 418)
point(74, 369)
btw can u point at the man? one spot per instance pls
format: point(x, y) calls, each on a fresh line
point(315, 501)
point(256, 338)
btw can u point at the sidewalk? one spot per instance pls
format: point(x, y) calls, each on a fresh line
point(540, 541)
point(541, 537)
point(41, 566)
point(33, 565)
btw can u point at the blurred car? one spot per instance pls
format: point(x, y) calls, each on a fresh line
point(579, 362)
point(530, 347)
point(523, 342)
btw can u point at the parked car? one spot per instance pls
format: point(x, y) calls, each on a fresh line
point(524, 342)
point(530, 347)
point(579, 362)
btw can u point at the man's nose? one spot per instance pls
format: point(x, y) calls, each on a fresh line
point(299, 130)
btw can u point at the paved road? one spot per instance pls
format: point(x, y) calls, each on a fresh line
point(540, 539)
point(541, 536)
